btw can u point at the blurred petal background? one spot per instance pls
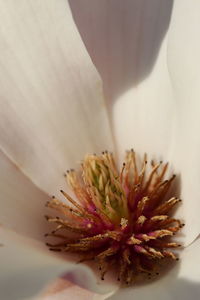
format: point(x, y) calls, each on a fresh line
point(58, 60)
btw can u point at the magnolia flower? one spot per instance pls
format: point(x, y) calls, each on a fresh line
point(53, 112)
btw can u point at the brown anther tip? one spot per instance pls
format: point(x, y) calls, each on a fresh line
point(53, 232)
point(132, 150)
point(102, 278)
point(53, 249)
point(145, 161)
point(179, 245)
point(67, 171)
point(46, 234)
point(61, 191)
point(157, 273)
point(64, 174)
point(183, 224)
point(106, 151)
point(100, 268)
point(161, 162)
point(71, 170)
point(53, 197)
point(71, 209)
point(149, 274)
point(102, 152)
point(127, 282)
point(57, 218)
point(46, 217)
point(177, 259)
point(118, 279)
point(124, 164)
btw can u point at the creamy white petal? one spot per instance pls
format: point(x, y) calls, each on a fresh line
point(149, 62)
point(122, 37)
point(52, 108)
point(157, 117)
point(22, 204)
point(27, 266)
point(184, 70)
point(181, 283)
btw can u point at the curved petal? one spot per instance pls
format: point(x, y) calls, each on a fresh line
point(123, 38)
point(52, 108)
point(22, 204)
point(183, 64)
point(26, 267)
point(158, 118)
point(162, 120)
point(61, 289)
point(181, 283)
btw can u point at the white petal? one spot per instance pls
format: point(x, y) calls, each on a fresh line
point(123, 38)
point(26, 266)
point(52, 108)
point(189, 261)
point(181, 283)
point(184, 69)
point(22, 205)
point(151, 75)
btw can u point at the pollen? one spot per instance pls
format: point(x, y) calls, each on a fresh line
point(121, 219)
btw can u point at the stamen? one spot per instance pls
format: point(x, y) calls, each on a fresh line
point(118, 217)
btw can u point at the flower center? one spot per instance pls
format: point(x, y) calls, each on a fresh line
point(118, 218)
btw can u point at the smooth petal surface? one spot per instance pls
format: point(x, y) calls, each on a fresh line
point(52, 108)
point(184, 70)
point(181, 283)
point(123, 38)
point(147, 53)
point(22, 205)
point(27, 266)
point(61, 289)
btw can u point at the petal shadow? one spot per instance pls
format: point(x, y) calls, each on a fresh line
point(122, 38)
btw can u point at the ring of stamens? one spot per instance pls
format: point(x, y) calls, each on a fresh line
point(117, 218)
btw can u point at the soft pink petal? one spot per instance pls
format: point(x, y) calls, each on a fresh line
point(62, 289)
point(27, 266)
